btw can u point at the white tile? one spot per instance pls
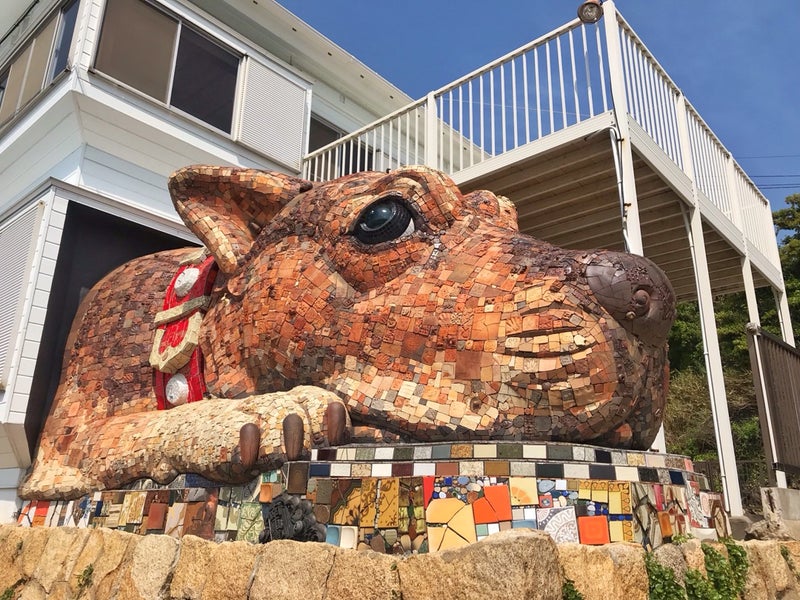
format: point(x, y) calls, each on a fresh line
point(33, 332)
point(60, 204)
point(576, 471)
point(424, 469)
point(534, 451)
point(57, 219)
point(26, 367)
point(19, 404)
point(37, 316)
point(50, 250)
point(40, 298)
point(47, 266)
point(384, 453)
point(30, 348)
point(340, 469)
point(22, 385)
point(53, 235)
point(627, 473)
point(44, 282)
point(382, 470)
point(484, 451)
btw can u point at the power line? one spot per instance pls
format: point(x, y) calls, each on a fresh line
point(771, 156)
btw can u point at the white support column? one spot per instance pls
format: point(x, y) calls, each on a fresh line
point(783, 316)
point(631, 225)
point(716, 381)
point(708, 327)
point(750, 292)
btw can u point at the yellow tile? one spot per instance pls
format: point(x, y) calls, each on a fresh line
point(615, 531)
point(615, 503)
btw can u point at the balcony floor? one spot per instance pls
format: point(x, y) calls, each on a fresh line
point(567, 195)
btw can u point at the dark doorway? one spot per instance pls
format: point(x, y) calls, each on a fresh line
point(93, 243)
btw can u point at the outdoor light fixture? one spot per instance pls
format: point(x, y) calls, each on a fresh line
point(590, 11)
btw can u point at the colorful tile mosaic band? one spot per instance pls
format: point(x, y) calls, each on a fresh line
point(376, 497)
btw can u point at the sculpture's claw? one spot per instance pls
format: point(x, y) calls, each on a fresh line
point(249, 442)
point(293, 436)
point(336, 423)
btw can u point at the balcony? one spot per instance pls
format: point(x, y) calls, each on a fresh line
point(598, 148)
point(595, 144)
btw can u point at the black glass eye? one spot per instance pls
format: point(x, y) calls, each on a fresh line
point(383, 221)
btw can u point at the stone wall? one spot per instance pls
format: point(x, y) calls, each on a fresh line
point(67, 563)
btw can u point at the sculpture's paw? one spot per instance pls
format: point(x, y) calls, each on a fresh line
point(287, 425)
point(222, 439)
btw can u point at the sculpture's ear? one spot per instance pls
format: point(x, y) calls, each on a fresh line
point(227, 207)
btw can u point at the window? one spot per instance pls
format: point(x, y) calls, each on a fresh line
point(321, 134)
point(352, 157)
point(3, 83)
point(205, 80)
point(166, 59)
point(69, 16)
point(41, 59)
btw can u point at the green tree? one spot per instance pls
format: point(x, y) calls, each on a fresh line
point(787, 220)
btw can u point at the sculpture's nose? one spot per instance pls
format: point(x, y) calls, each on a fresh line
point(635, 292)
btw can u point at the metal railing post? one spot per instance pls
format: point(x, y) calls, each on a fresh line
point(431, 132)
point(631, 224)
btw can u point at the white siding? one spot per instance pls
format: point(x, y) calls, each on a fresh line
point(273, 113)
point(35, 306)
point(41, 145)
point(17, 241)
point(87, 29)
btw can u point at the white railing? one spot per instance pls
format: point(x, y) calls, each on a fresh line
point(756, 216)
point(395, 140)
point(650, 93)
point(709, 159)
point(547, 85)
point(554, 82)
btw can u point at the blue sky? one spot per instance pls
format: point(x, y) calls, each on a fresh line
point(735, 60)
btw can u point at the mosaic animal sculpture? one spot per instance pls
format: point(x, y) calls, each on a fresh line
point(422, 312)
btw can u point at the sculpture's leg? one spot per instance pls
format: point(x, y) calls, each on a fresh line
point(214, 438)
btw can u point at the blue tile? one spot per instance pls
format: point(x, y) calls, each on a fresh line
point(319, 470)
point(333, 535)
point(676, 477)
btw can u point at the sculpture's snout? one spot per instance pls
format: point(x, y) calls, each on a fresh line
point(635, 292)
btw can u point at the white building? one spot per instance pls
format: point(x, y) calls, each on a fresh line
point(100, 100)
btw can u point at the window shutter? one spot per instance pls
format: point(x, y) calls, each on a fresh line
point(17, 241)
point(272, 114)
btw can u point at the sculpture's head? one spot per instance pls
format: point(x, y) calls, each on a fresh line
point(426, 309)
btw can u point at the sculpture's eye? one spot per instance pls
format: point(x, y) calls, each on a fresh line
point(384, 220)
